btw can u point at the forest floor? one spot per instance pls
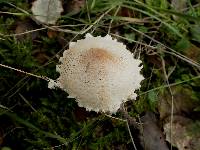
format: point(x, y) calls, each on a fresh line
point(164, 34)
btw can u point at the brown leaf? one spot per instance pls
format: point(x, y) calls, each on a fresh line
point(125, 12)
point(193, 52)
point(23, 27)
point(155, 60)
point(52, 34)
point(152, 137)
point(74, 6)
point(40, 56)
point(183, 102)
point(179, 6)
point(182, 138)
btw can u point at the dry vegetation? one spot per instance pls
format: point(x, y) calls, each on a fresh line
point(164, 34)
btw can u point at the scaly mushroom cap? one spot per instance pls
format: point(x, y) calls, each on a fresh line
point(100, 73)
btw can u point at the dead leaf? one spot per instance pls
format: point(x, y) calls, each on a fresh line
point(182, 138)
point(183, 102)
point(155, 60)
point(179, 6)
point(22, 31)
point(74, 6)
point(152, 137)
point(193, 52)
point(125, 12)
point(62, 41)
point(47, 11)
point(52, 33)
point(40, 56)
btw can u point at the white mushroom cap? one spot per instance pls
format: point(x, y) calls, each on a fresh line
point(100, 73)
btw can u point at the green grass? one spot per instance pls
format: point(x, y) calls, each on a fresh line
point(35, 117)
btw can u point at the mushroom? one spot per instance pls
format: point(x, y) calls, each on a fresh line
point(99, 72)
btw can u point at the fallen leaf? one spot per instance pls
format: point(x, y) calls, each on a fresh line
point(47, 11)
point(74, 6)
point(182, 137)
point(125, 12)
point(155, 60)
point(193, 52)
point(179, 6)
point(52, 33)
point(22, 31)
point(152, 137)
point(184, 102)
point(40, 56)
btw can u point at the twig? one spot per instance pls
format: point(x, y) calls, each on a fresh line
point(131, 135)
point(172, 84)
point(129, 121)
point(173, 52)
point(132, 41)
point(27, 73)
point(27, 102)
point(172, 101)
point(26, 32)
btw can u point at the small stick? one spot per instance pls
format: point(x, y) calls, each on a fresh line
point(27, 73)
